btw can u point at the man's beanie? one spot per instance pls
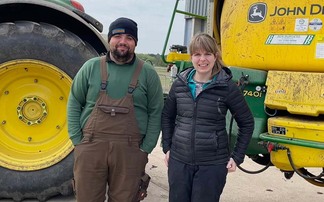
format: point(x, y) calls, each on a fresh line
point(123, 26)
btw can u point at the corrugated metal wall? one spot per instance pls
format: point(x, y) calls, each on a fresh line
point(198, 7)
point(194, 25)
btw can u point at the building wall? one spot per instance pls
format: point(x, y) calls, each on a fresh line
point(192, 24)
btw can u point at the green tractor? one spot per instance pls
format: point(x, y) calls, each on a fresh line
point(43, 45)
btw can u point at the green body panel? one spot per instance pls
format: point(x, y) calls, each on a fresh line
point(65, 3)
point(254, 93)
point(182, 65)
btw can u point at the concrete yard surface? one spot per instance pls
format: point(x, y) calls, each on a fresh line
point(268, 186)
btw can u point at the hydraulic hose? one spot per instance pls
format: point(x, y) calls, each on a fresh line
point(242, 83)
point(241, 168)
point(297, 170)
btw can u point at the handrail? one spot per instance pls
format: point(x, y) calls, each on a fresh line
point(291, 141)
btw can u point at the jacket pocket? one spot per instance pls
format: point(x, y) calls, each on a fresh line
point(174, 139)
point(86, 139)
point(215, 140)
point(113, 110)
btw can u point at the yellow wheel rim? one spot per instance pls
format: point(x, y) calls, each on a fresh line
point(33, 125)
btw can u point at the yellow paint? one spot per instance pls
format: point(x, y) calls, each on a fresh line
point(33, 127)
point(296, 92)
point(175, 56)
point(311, 130)
point(287, 38)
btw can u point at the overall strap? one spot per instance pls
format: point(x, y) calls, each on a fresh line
point(134, 81)
point(104, 72)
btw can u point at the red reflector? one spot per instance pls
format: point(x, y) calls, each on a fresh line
point(77, 5)
point(270, 147)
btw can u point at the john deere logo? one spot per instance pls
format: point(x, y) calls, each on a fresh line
point(257, 12)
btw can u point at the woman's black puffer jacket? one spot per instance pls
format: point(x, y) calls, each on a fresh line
point(195, 130)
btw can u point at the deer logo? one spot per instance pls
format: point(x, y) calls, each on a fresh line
point(257, 12)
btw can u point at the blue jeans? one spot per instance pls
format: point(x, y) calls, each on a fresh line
point(195, 183)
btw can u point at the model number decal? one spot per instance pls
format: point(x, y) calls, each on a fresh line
point(278, 130)
point(252, 93)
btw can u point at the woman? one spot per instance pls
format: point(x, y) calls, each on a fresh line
point(194, 136)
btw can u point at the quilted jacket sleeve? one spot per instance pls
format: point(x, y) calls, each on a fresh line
point(244, 119)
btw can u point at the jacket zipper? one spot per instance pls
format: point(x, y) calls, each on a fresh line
point(193, 133)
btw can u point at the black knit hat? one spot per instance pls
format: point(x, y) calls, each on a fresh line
point(123, 26)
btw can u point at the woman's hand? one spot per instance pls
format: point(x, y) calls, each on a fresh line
point(166, 158)
point(231, 165)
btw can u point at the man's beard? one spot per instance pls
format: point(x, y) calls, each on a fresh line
point(121, 56)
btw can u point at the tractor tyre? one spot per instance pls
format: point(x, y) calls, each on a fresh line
point(37, 64)
point(263, 159)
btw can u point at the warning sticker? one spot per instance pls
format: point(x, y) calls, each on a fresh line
point(289, 39)
point(315, 24)
point(320, 50)
point(301, 25)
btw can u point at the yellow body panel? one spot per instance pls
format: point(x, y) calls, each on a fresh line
point(273, 34)
point(314, 158)
point(310, 131)
point(175, 56)
point(296, 92)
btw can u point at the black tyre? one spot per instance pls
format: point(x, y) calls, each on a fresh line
point(263, 159)
point(37, 65)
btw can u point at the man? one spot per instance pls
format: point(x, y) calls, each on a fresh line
point(114, 115)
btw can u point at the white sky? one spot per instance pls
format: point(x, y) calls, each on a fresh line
point(152, 16)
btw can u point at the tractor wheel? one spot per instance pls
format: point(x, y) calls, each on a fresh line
point(262, 159)
point(37, 65)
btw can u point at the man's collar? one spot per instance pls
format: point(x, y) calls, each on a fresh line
point(109, 60)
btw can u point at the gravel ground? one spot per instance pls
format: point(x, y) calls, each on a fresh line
point(268, 186)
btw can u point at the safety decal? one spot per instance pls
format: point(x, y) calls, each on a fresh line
point(315, 24)
point(289, 39)
point(301, 25)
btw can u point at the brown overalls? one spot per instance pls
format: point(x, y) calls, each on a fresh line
point(109, 151)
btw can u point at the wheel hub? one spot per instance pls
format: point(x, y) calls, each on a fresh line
point(32, 110)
